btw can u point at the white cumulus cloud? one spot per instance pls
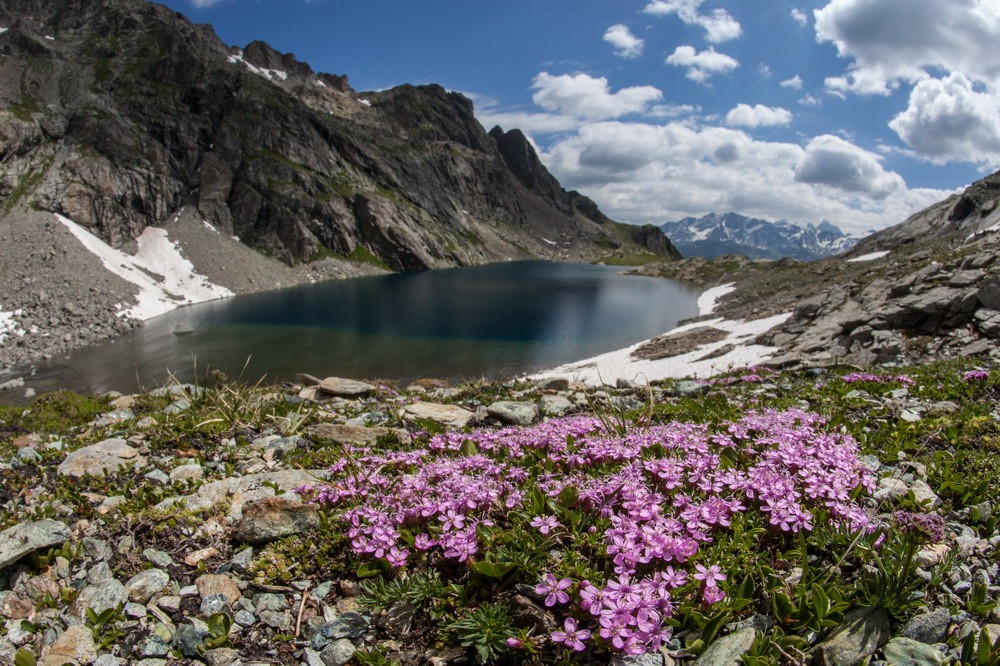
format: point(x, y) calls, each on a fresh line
point(834, 162)
point(719, 25)
point(889, 41)
point(947, 119)
point(795, 83)
point(626, 44)
point(800, 17)
point(585, 96)
point(702, 65)
point(744, 115)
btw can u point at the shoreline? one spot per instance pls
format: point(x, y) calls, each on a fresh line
point(704, 360)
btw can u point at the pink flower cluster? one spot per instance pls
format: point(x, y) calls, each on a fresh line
point(976, 376)
point(658, 494)
point(868, 377)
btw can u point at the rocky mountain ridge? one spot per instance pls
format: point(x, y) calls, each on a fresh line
point(714, 235)
point(121, 115)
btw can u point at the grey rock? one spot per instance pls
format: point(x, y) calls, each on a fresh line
point(222, 657)
point(688, 388)
point(242, 560)
point(177, 407)
point(29, 456)
point(274, 518)
point(278, 620)
point(513, 413)
point(107, 660)
point(151, 646)
point(187, 639)
point(338, 653)
point(928, 627)
point(244, 618)
point(99, 597)
point(158, 476)
point(399, 618)
point(345, 388)
point(270, 601)
point(554, 405)
point(449, 415)
point(923, 494)
point(890, 489)
point(861, 634)
point(348, 625)
point(114, 417)
point(26, 538)
point(101, 458)
point(553, 384)
point(728, 650)
point(908, 652)
point(214, 603)
point(187, 472)
point(158, 557)
point(142, 586)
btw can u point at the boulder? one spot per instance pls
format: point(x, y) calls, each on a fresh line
point(861, 634)
point(513, 413)
point(74, 646)
point(26, 538)
point(728, 650)
point(274, 518)
point(449, 415)
point(345, 388)
point(353, 435)
point(100, 459)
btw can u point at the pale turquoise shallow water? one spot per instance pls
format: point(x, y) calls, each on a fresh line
point(486, 321)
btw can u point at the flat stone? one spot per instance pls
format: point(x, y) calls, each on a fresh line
point(99, 597)
point(928, 627)
point(449, 415)
point(688, 388)
point(188, 639)
point(930, 556)
point(553, 384)
point(728, 650)
point(908, 652)
point(338, 653)
point(74, 646)
point(274, 518)
point(25, 538)
point(210, 584)
point(158, 557)
point(345, 388)
point(114, 417)
point(192, 559)
point(142, 586)
point(187, 472)
point(349, 625)
point(861, 634)
point(213, 604)
point(923, 494)
point(222, 657)
point(513, 413)
point(353, 435)
point(554, 405)
point(890, 489)
point(100, 459)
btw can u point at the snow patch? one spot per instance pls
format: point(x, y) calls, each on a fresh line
point(609, 368)
point(209, 226)
point(710, 298)
point(550, 242)
point(868, 257)
point(260, 71)
point(3, 30)
point(989, 230)
point(50, 38)
point(8, 326)
point(166, 280)
point(320, 83)
point(365, 102)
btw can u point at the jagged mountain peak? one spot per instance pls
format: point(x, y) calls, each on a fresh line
point(714, 235)
point(118, 113)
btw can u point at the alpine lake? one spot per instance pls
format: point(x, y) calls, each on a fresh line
point(493, 321)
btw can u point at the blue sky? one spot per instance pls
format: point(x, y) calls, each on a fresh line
point(855, 111)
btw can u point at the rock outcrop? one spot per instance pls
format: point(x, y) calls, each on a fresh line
point(118, 113)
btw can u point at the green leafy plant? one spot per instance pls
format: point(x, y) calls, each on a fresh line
point(106, 626)
point(485, 629)
point(219, 625)
point(24, 657)
point(977, 650)
point(979, 602)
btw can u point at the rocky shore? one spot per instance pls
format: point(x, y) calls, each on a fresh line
point(169, 527)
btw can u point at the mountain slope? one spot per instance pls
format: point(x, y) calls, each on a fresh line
point(715, 235)
point(122, 115)
point(119, 112)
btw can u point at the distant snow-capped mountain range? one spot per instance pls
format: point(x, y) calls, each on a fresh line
point(715, 235)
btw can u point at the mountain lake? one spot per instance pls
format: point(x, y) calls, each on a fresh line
point(490, 321)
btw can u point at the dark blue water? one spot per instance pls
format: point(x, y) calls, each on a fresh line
point(487, 321)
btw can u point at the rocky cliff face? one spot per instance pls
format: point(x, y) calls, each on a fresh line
point(118, 113)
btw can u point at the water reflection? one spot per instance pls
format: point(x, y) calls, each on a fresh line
point(484, 321)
